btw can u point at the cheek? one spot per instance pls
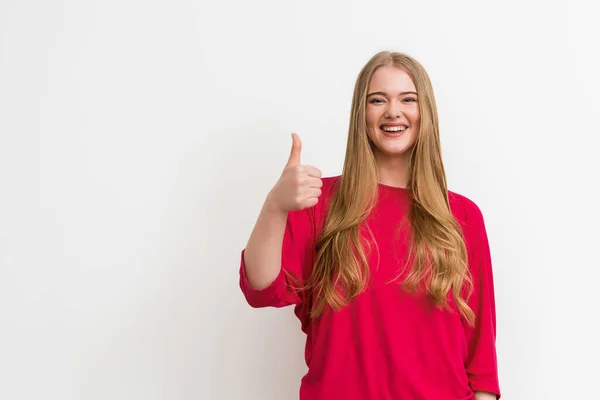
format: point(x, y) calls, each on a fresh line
point(414, 116)
point(372, 116)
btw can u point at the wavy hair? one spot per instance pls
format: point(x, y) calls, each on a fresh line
point(437, 251)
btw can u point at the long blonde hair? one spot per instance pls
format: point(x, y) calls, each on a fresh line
point(438, 254)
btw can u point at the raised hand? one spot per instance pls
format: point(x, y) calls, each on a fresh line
point(299, 186)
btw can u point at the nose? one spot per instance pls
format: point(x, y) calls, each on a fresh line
point(393, 109)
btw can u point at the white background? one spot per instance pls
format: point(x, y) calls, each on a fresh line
point(138, 140)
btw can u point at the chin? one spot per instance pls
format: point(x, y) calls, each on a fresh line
point(396, 153)
point(395, 149)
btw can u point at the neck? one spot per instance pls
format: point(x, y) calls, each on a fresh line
point(393, 171)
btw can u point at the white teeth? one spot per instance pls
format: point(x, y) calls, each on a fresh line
point(393, 128)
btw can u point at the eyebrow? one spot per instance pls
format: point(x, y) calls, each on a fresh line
point(385, 94)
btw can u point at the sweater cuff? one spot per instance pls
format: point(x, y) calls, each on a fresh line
point(268, 296)
point(485, 384)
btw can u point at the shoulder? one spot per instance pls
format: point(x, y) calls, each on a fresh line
point(466, 211)
point(330, 182)
point(470, 217)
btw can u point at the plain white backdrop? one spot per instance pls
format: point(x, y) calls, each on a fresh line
point(138, 140)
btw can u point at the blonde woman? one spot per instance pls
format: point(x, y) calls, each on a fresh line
point(389, 271)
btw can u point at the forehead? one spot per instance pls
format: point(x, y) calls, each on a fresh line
point(389, 78)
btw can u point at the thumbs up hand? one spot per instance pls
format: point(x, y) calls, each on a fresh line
point(299, 186)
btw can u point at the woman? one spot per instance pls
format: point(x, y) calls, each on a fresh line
point(389, 272)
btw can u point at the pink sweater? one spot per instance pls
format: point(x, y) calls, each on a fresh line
point(388, 344)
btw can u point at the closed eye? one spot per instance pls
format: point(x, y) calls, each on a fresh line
point(406, 100)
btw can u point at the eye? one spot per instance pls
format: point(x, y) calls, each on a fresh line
point(375, 100)
point(412, 99)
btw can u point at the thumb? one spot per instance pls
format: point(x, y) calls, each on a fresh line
point(296, 150)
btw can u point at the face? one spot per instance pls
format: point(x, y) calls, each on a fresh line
point(392, 113)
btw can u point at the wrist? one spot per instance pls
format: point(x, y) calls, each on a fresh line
point(272, 207)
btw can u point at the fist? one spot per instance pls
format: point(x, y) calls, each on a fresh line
point(299, 186)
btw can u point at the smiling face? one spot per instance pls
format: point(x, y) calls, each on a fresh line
point(392, 114)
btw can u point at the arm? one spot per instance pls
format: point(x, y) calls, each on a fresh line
point(273, 268)
point(481, 364)
point(283, 237)
point(297, 188)
point(262, 256)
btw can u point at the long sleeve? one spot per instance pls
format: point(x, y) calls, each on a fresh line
point(297, 257)
point(481, 364)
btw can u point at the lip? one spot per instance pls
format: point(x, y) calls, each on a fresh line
point(393, 125)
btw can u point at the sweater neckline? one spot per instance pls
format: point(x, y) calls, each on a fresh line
point(394, 188)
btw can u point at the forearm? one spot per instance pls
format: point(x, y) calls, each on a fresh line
point(484, 396)
point(262, 256)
